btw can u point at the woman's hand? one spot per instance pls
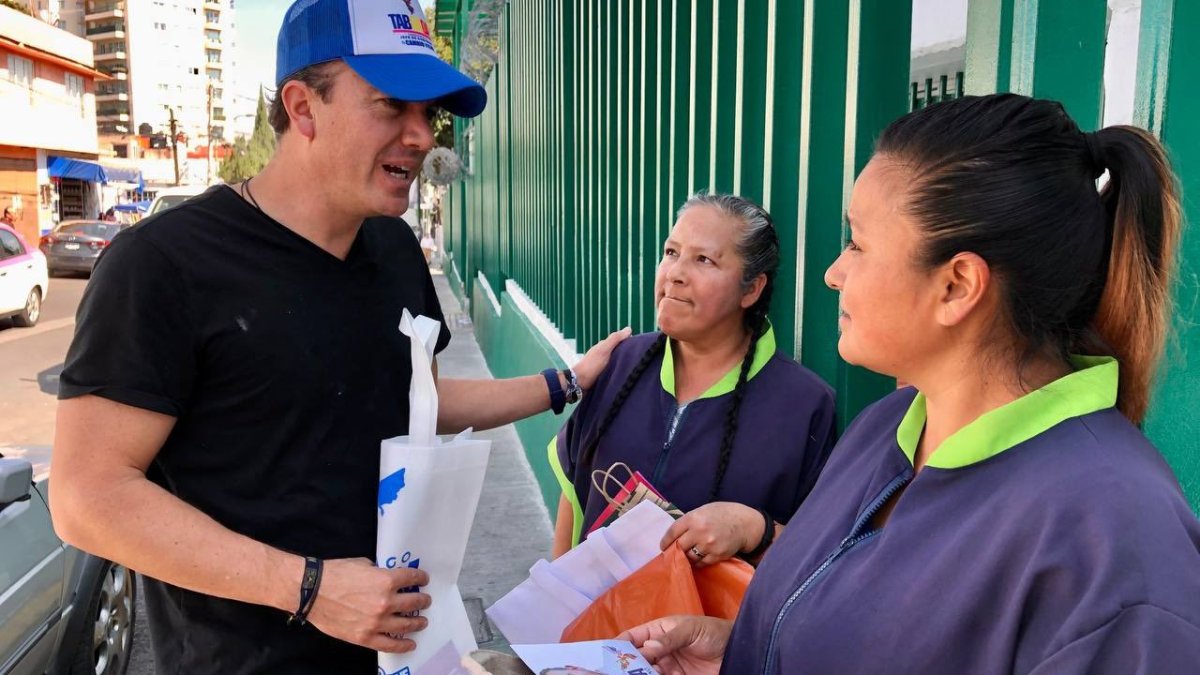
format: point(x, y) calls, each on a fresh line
point(715, 532)
point(588, 370)
point(682, 645)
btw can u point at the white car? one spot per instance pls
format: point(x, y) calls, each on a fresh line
point(173, 196)
point(24, 280)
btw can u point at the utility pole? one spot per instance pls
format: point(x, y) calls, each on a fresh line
point(174, 143)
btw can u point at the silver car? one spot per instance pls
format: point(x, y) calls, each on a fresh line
point(61, 610)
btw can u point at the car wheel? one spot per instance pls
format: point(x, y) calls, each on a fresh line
point(32, 312)
point(106, 642)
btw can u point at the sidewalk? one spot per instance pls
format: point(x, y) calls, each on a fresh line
point(512, 530)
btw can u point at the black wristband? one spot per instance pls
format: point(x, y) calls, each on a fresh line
point(310, 583)
point(558, 400)
point(767, 538)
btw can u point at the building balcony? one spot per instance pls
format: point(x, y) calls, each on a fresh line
point(108, 98)
point(99, 14)
point(112, 117)
point(119, 75)
point(213, 5)
point(212, 25)
point(214, 65)
point(100, 34)
point(110, 56)
point(213, 44)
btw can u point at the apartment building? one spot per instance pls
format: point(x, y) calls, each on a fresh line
point(48, 141)
point(165, 58)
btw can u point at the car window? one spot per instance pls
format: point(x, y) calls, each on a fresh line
point(90, 229)
point(9, 245)
point(167, 201)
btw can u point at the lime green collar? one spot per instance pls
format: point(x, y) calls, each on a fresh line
point(763, 352)
point(1092, 387)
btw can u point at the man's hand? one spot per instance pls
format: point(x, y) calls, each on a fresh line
point(718, 531)
point(364, 604)
point(682, 645)
point(596, 360)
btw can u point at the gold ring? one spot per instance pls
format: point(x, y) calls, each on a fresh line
point(696, 552)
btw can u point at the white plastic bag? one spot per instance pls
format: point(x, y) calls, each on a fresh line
point(541, 607)
point(428, 491)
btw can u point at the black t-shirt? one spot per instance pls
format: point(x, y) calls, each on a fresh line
point(285, 367)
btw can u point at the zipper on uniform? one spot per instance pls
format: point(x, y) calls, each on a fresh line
point(856, 536)
point(672, 431)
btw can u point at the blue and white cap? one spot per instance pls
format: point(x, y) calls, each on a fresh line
point(386, 42)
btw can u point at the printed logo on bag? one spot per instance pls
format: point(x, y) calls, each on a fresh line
point(402, 671)
point(406, 560)
point(389, 489)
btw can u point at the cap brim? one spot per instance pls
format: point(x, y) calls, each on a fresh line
point(421, 77)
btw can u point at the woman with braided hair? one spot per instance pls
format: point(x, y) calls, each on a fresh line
point(721, 423)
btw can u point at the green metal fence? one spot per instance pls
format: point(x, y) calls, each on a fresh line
point(605, 115)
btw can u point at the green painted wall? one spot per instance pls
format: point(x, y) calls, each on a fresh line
point(513, 348)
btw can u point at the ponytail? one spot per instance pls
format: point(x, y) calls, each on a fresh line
point(1141, 205)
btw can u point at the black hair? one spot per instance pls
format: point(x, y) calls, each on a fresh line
point(1013, 180)
point(758, 247)
point(319, 77)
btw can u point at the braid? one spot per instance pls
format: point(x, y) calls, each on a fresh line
point(731, 418)
point(589, 451)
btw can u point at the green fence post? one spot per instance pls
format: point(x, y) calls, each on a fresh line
point(1043, 48)
point(989, 46)
point(822, 154)
point(879, 43)
point(723, 102)
point(783, 192)
point(567, 156)
point(1168, 103)
point(702, 55)
point(750, 107)
point(1058, 53)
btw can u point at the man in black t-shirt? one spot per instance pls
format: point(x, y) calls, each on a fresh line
point(237, 362)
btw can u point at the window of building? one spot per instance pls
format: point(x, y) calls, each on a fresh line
point(212, 35)
point(20, 71)
point(213, 55)
point(75, 90)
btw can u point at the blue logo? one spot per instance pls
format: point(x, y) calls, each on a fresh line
point(389, 489)
point(402, 671)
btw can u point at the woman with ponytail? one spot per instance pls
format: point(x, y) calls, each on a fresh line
point(1005, 514)
point(707, 410)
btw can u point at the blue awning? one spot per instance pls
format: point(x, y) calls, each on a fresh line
point(62, 167)
point(121, 174)
point(140, 207)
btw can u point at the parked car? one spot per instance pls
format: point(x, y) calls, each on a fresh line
point(24, 280)
point(61, 610)
point(74, 245)
point(173, 196)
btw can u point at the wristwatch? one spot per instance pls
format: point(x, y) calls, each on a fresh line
point(574, 391)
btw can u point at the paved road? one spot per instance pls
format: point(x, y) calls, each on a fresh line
point(30, 361)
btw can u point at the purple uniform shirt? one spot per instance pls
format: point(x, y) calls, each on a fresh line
point(1049, 536)
point(784, 435)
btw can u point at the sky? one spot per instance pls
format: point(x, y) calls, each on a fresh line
point(257, 25)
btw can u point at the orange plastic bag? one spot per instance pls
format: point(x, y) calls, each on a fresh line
point(664, 586)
